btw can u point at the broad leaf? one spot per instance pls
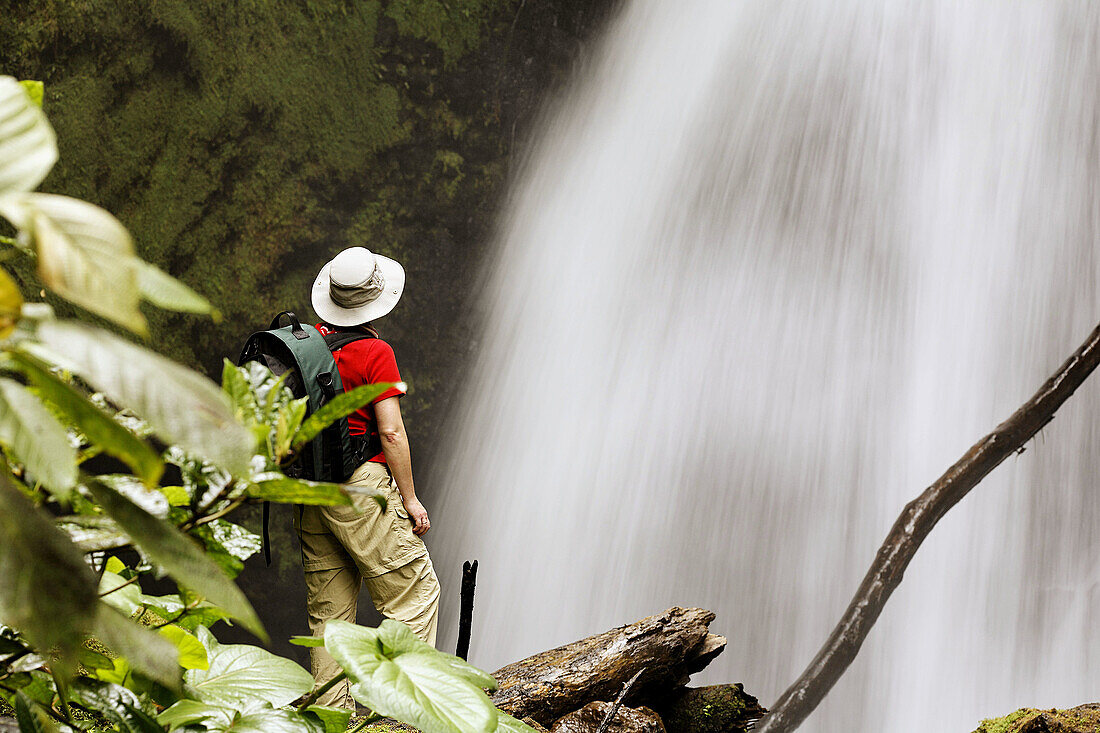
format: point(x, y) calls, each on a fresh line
point(28, 146)
point(46, 589)
point(334, 720)
point(255, 716)
point(11, 304)
point(178, 554)
point(31, 718)
point(339, 406)
point(85, 255)
point(144, 649)
point(99, 427)
point(119, 593)
point(36, 438)
point(116, 703)
point(395, 674)
point(307, 640)
point(235, 383)
point(192, 652)
point(93, 533)
point(165, 291)
point(181, 405)
point(507, 724)
point(240, 672)
point(299, 491)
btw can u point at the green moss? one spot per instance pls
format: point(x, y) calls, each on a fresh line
point(1085, 718)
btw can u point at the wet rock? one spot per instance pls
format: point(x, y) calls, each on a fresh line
point(713, 709)
point(627, 720)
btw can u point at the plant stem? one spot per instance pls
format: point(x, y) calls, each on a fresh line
point(61, 695)
point(312, 698)
point(120, 585)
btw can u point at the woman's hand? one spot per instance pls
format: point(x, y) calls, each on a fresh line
point(418, 514)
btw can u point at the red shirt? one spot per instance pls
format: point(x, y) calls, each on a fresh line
point(367, 361)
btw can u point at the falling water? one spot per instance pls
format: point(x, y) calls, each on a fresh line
point(771, 267)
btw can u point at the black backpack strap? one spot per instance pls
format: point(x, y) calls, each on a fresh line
point(340, 339)
point(295, 325)
point(365, 445)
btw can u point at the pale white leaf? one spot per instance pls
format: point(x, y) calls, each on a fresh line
point(36, 438)
point(182, 406)
point(28, 146)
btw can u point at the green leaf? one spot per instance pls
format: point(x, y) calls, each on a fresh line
point(240, 672)
point(397, 675)
point(178, 554)
point(334, 720)
point(181, 405)
point(236, 385)
point(36, 438)
point(144, 649)
point(31, 718)
point(11, 304)
point(99, 427)
point(339, 406)
point(119, 593)
point(28, 146)
point(91, 659)
point(46, 589)
point(165, 291)
point(85, 255)
point(254, 717)
point(307, 641)
point(192, 652)
point(288, 490)
point(92, 533)
point(36, 90)
point(118, 704)
point(507, 724)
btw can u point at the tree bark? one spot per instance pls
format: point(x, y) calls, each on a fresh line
point(669, 646)
point(916, 521)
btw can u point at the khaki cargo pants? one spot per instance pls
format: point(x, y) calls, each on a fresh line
point(346, 546)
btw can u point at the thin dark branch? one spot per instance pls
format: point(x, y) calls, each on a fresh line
point(119, 586)
point(619, 701)
point(466, 612)
point(916, 521)
point(313, 696)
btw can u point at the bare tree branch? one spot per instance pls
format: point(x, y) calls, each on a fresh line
point(916, 521)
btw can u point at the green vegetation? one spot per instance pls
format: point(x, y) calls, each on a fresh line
point(83, 646)
point(1082, 718)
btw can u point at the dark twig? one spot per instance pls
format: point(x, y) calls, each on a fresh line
point(619, 701)
point(466, 612)
point(916, 521)
point(316, 694)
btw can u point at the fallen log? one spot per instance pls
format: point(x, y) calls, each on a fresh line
point(669, 646)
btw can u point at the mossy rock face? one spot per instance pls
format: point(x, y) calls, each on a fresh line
point(1081, 719)
point(714, 709)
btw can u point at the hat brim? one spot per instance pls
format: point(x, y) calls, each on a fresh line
point(329, 312)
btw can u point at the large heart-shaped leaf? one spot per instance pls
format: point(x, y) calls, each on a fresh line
point(184, 407)
point(395, 674)
point(85, 255)
point(239, 673)
point(99, 427)
point(28, 146)
point(47, 590)
point(36, 438)
point(192, 652)
point(177, 553)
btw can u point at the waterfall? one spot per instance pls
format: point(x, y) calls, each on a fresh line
point(769, 268)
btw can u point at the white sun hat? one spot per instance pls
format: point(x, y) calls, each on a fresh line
point(356, 287)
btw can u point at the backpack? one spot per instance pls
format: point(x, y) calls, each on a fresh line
point(301, 350)
point(335, 454)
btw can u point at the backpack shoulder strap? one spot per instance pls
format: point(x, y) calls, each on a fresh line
point(340, 339)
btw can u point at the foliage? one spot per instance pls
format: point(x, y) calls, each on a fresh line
point(87, 647)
